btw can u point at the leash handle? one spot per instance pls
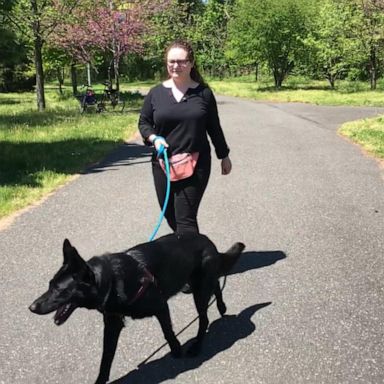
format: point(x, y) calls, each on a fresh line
point(161, 148)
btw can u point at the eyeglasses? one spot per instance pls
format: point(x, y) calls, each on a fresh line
point(182, 63)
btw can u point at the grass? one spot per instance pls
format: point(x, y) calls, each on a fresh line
point(369, 133)
point(41, 151)
point(314, 92)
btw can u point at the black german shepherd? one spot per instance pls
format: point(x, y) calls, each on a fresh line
point(137, 283)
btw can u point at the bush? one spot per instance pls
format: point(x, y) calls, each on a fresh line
point(16, 79)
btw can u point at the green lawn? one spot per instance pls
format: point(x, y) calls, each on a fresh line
point(40, 151)
point(314, 92)
point(369, 133)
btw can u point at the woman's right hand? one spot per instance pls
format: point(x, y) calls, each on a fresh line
point(159, 143)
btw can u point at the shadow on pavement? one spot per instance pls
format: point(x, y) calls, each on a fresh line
point(21, 162)
point(126, 154)
point(254, 260)
point(222, 334)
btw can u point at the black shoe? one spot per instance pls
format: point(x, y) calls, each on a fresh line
point(186, 289)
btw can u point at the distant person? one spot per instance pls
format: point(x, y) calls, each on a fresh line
point(178, 114)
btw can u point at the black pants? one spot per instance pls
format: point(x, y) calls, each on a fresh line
point(185, 195)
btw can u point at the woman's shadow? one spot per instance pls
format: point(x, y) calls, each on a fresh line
point(221, 335)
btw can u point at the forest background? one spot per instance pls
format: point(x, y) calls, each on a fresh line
point(124, 40)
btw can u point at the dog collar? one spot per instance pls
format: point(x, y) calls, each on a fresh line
point(145, 281)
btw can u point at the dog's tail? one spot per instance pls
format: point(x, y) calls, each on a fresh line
point(229, 258)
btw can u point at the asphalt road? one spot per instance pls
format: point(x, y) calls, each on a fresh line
point(305, 304)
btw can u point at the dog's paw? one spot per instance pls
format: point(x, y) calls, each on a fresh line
point(101, 380)
point(176, 352)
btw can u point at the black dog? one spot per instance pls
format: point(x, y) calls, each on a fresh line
point(138, 283)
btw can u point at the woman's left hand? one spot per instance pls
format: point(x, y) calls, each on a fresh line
point(226, 166)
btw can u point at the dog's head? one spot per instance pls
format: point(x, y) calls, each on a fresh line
point(71, 287)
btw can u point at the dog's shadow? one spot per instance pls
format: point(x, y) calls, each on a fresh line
point(222, 334)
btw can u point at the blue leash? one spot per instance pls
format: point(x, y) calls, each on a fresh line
point(163, 151)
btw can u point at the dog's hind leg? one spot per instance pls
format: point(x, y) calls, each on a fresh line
point(166, 325)
point(219, 300)
point(113, 324)
point(201, 299)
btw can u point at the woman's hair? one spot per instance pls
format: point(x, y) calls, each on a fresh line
point(195, 74)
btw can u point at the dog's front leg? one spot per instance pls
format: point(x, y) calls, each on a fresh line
point(113, 324)
point(166, 325)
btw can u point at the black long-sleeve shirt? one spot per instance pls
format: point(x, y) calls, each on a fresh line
point(183, 124)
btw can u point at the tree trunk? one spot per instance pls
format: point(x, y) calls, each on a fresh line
point(74, 79)
point(60, 78)
point(331, 80)
point(38, 44)
point(116, 72)
point(278, 76)
point(38, 57)
point(373, 70)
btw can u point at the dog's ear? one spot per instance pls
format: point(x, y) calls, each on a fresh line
point(76, 264)
point(66, 246)
point(71, 256)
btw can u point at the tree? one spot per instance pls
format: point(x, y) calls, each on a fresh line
point(14, 62)
point(112, 27)
point(211, 35)
point(35, 20)
point(370, 31)
point(242, 46)
point(176, 21)
point(332, 50)
point(273, 29)
point(55, 61)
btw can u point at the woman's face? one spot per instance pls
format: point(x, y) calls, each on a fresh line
point(178, 64)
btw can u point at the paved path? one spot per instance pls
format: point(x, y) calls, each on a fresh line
point(306, 302)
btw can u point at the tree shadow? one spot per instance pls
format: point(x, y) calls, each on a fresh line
point(222, 335)
point(132, 97)
point(9, 101)
point(124, 155)
point(21, 163)
point(273, 89)
point(42, 119)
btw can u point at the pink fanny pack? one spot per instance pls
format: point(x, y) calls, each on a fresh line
point(181, 165)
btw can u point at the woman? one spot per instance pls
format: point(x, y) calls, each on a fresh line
point(178, 114)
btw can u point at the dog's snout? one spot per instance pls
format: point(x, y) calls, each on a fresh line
point(33, 307)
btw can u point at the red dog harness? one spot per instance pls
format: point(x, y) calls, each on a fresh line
point(145, 281)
